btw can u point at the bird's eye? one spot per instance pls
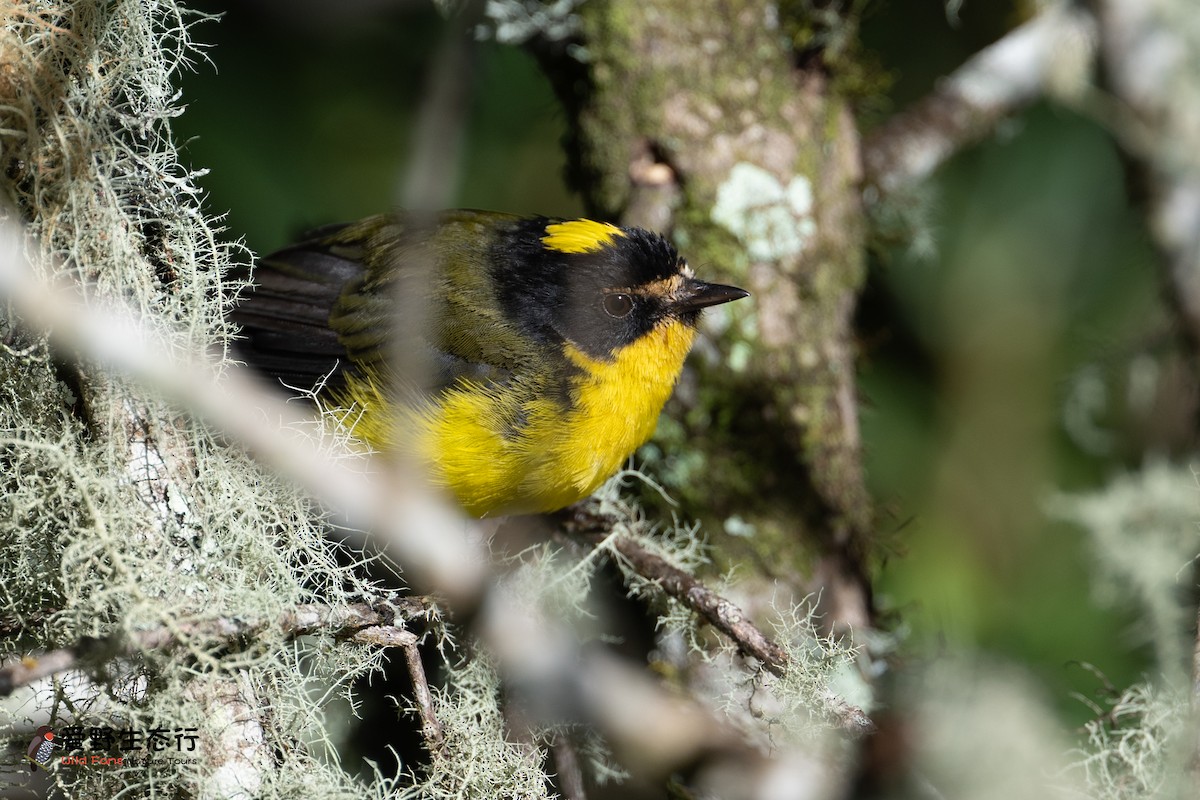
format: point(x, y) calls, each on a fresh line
point(618, 305)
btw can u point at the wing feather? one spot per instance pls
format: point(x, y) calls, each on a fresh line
point(328, 305)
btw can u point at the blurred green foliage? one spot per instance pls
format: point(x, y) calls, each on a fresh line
point(974, 351)
point(971, 349)
point(306, 119)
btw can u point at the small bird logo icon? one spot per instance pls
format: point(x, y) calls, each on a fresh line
point(41, 747)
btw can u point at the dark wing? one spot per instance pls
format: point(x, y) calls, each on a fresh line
point(330, 304)
point(284, 316)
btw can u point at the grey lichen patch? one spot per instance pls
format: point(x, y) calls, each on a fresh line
point(1143, 529)
point(29, 388)
point(1137, 747)
point(773, 221)
point(516, 22)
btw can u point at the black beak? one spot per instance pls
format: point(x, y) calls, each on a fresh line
point(698, 294)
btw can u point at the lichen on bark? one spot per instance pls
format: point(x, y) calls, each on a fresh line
point(700, 113)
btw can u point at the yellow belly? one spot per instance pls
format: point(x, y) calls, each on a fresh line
point(511, 451)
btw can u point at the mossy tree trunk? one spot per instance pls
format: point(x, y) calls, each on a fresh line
point(700, 117)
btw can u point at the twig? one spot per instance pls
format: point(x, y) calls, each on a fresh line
point(431, 729)
point(653, 730)
point(381, 624)
point(33, 668)
point(998, 81)
point(566, 764)
point(721, 613)
point(338, 620)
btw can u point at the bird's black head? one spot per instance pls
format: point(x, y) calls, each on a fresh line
point(595, 285)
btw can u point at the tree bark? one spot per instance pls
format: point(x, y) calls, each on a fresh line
point(696, 117)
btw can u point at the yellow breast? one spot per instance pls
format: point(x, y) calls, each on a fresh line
point(513, 449)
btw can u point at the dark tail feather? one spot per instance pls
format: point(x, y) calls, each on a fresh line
point(284, 315)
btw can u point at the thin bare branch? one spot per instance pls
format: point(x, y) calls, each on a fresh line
point(721, 613)
point(568, 773)
point(382, 624)
point(1000, 80)
point(29, 669)
point(431, 729)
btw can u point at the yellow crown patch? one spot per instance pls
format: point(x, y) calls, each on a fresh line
point(580, 236)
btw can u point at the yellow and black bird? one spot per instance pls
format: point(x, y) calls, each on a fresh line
point(554, 343)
